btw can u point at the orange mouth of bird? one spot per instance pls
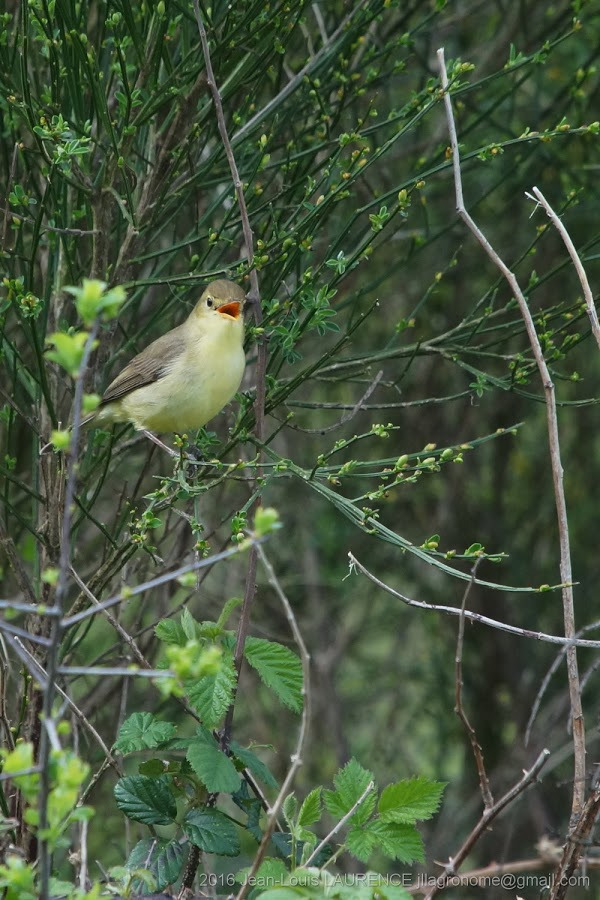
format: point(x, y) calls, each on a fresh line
point(232, 309)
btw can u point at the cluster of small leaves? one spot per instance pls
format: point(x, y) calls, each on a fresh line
point(67, 774)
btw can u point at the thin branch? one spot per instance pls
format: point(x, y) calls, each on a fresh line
point(57, 625)
point(75, 232)
point(347, 416)
point(578, 265)
point(546, 681)
point(473, 616)
point(121, 597)
point(452, 866)
point(555, 460)
point(296, 758)
point(484, 784)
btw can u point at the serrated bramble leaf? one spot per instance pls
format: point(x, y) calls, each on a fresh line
point(350, 783)
point(278, 668)
point(310, 811)
point(170, 632)
point(211, 695)
point(189, 625)
point(360, 843)
point(401, 842)
point(411, 800)
point(211, 831)
point(143, 731)
point(214, 769)
point(251, 761)
point(164, 859)
point(289, 809)
point(148, 800)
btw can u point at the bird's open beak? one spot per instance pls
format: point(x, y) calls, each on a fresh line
point(232, 309)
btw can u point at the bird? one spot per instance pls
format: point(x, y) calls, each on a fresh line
point(184, 378)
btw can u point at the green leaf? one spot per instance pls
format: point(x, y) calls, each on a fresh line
point(143, 731)
point(279, 669)
point(410, 800)
point(170, 632)
point(189, 625)
point(164, 859)
point(350, 783)
point(361, 843)
point(212, 831)
point(214, 769)
point(212, 694)
point(310, 811)
point(251, 761)
point(148, 800)
point(289, 809)
point(402, 842)
point(68, 349)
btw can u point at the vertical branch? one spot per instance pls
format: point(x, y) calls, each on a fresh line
point(484, 784)
point(555, 460)
point(48, 734)
point(261, 365)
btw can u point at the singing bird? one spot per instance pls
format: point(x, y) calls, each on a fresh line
point(184, 378)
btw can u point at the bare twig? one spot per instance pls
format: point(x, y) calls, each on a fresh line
point(296, 759)
point(578, 265)
point(75, 232)
point(547, 678)
point(473, 616)
point(484, 784)
point(452, 866)
point(347, 415)
point(555, 460)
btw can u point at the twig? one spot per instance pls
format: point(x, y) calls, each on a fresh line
point(484, 784)
point(296, 758)
point(574, 845)
point(40, 674)
point(473, 616)
point(347, 415)
point(450, 869)
point(339, 825)
point(116, 625)
point(555, 460)
point(75, 232)
point(261, 362)
point(578, 265)
point(546, 681)
point(148, 585)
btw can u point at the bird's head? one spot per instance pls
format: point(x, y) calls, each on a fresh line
point(221, 298)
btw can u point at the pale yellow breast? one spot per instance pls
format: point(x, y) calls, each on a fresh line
point(201, 381)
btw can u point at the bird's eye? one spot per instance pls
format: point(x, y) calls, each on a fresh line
point(209, 302)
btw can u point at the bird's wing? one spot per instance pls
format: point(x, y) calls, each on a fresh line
point(147, 367)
